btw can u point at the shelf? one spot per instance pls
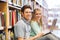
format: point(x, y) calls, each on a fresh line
point(14, 7)
point(1, 28)
point(10, 3)
point(2, 0)
point(9, 27)
point(17, 5)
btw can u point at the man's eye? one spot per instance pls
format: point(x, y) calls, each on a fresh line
point(28, 12)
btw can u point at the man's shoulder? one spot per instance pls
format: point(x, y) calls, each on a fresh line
point(21, 22)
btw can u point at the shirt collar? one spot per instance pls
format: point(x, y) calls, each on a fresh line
point(27, 22)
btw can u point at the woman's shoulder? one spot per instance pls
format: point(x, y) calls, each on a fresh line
point(32, 21)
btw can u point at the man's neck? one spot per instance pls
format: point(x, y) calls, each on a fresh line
point(27, 20)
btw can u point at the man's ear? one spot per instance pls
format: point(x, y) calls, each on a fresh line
point(22, 14)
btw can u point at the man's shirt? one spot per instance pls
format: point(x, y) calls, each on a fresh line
point(22, 29)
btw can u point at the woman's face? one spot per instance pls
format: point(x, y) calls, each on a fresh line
point(38, 14)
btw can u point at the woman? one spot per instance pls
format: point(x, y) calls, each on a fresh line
point(36, 32)
point(35, 24)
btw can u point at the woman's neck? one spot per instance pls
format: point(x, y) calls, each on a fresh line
point(38, 21)
point(35, 20)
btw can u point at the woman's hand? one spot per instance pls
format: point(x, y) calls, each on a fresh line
point(30, 39)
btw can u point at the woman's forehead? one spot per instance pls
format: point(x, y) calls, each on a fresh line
point(38, 11)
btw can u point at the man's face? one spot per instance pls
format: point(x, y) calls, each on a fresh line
point(27, 14)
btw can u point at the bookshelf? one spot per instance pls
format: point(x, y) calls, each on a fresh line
point(4, 9)
point(9, 15)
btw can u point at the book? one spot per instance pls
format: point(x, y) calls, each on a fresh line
point(13, 17)
point(10, 17)
point(10, 1)
point(25, 2)
point(18, 15)
point(0, 21)
point(14, 2)
point(21, 2)
point(3, 19)
point(18, 2)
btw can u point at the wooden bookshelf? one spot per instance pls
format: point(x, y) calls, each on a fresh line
point(14, 7)
point(4, 8)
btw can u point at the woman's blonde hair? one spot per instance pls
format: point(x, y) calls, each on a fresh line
point(34, 11)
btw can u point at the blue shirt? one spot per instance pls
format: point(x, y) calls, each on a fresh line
point(22, 29)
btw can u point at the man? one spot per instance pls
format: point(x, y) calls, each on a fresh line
point(22, 27)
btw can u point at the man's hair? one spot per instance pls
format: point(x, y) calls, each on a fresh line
point(25, 7)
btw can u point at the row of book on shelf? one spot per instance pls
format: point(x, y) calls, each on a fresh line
point(17, 2)
point(14, 16)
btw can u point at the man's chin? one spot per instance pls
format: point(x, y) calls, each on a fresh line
point(29, 19)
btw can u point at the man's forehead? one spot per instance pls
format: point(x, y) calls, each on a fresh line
point(27, 9)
